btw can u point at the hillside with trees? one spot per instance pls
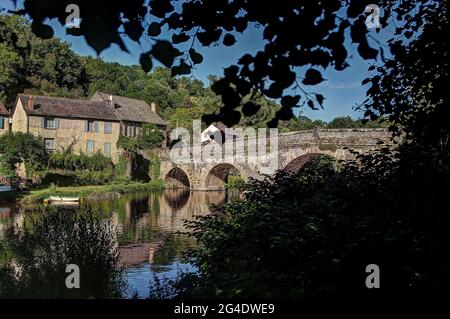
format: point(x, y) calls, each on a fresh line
point(50, 67)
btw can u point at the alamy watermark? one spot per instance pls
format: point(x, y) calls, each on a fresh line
point(373, 19)
point(73, 280)
point(73, 20)
point(257, 148)
point(373, 279)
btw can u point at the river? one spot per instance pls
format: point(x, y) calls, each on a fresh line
point(147, 230)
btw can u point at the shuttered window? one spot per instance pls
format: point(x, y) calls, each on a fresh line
point(107, 149)
point(50, 123)
point(108, 127)
point(90, 147)
point(91, 126)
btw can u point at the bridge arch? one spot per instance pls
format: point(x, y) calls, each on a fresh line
point(219, 174)
point(296, 165)
point(177, 178)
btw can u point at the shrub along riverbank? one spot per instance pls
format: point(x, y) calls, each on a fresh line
point(81, 191)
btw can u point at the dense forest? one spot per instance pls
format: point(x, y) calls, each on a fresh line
point(49, 67)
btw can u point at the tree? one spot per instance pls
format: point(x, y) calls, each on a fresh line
point(10, 65)
point(37, 66)
point(410, 89)
point(17, 147)
point(270, 71)
point(344, 122)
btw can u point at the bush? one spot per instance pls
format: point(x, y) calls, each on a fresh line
point(311, 235)
point(77, 178)
point(235, 182)
point(17, 148)
point(73, 162)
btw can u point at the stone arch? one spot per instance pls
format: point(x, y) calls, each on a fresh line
point(176, 178)
point(218, 176)
point(294, 166)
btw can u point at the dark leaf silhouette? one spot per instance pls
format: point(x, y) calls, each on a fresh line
point(182, 68)
point(229, 39)
point(146, 61)
point(196, 57)
point(250, 108)
point(180, 38)
point(165, 53)
point(312, 77)
point(43, 31)
point(154, 29)
point(320, 98)
point(288, 101)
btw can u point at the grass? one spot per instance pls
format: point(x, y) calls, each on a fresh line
point(80, 191)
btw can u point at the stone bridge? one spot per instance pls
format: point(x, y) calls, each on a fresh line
point(294, 150)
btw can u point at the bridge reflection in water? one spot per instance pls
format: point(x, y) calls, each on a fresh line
point(149, 224)
point(148, 233)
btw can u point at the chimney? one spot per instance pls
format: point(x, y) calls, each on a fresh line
point(30, 103)
point(110, 100)
point(153, 107)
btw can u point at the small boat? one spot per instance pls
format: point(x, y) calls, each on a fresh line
point(5, 188)
point(60, 199)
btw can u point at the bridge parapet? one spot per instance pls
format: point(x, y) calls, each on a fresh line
point(294, 149)
point(340, 137)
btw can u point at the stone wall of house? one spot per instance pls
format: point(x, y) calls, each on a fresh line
point(5, 127)
point(71, 132)
point(20, 119)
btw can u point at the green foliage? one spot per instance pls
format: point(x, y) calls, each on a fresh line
point(74, 162)
point(344, 122)
point(89, 242)
point(120, 169)
point(17, 147)
point(273, 70)
point(10, 65)
point(30, 64)
point(155, 168)
point(150, 137)
point(128, 144)
point(8, 173)
point(326, 225)
point(77, 178)
point(235, 182)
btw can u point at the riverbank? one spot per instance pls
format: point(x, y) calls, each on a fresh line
point(81, 191)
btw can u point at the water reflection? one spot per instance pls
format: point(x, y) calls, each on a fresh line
point(129, 238)
point(37, 250)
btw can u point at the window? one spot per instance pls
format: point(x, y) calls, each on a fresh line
point(108, 127)
point(49, 144)
point(91, 126)
point(107, 149)
point(130, 131)
point(2, 122)
point(90, 147)
point(50, 123)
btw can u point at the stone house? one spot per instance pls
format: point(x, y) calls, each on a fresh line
point(85, 126)
point(4, 119)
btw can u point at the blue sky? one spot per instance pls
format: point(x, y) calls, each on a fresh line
point(342, 89)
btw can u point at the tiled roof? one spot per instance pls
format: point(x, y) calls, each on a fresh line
point(3, 110)
point(69, 108)
point(128, 109)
